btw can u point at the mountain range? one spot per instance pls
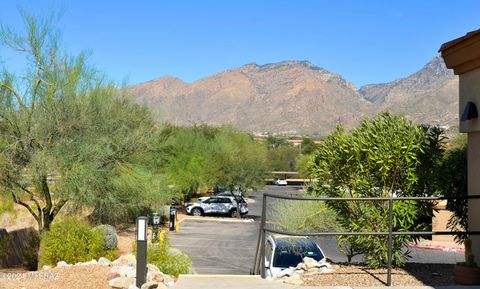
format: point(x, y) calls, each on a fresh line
point(295, 97)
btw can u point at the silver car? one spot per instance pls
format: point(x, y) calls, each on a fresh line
point(216, 205)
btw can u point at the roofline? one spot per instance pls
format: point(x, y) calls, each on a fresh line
point(456, 41)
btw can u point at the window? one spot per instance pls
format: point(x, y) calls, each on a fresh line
point(290, 253)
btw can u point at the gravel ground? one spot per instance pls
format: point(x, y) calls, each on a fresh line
point(414, 274)
point(74, 277)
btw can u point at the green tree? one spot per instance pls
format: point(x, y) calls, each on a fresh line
point(188, 161)
point(382, 157)
point(242, 162)
point(67, 134)
point(283, 158)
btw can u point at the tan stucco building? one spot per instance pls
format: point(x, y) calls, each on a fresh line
point(463, 56)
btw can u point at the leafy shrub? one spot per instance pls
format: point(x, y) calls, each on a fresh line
point(168, 260)
point(383, 157)
point(71, 240)
point(109, 236)
point(30, 255)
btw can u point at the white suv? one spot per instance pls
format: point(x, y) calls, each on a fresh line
point(216, 205)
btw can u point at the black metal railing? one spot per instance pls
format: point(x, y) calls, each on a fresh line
point(259, 266)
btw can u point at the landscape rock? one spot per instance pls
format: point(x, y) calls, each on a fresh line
point(121, 282)
point(133, 286)
point(63, 264)
point(150, 285)
point(112, 275)
point(309, 267)
point(104, 262)
point(158, 277)
point(125, 259)
point(128, 271)
point(168, 280)
point(46, 267)
point(152, 268)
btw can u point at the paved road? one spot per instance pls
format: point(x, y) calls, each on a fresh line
point(229, 247)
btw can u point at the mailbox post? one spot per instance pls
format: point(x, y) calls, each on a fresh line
point(141, 235)
point(173, 217)
point(155, 225)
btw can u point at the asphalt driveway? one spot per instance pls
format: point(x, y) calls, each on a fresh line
point(228, 246)
point(218, 247)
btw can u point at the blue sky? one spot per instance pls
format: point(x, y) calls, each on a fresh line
point(364, 41)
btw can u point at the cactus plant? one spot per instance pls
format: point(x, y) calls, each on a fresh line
point(109, 235)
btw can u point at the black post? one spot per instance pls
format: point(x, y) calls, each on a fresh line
point(262, 244)
point(390, 228)
point(141, 276)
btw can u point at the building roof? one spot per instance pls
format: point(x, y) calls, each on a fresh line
point(454, 42)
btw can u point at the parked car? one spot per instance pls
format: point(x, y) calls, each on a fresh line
point(283, 252)
point(280, 182)
point(227, 194)
point(216, 205)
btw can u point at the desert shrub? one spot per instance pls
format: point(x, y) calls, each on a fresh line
point(71, 240)
point(30, 255)
point(109, 236)
point(168, 260)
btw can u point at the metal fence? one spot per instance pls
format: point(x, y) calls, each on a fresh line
point(259, 267)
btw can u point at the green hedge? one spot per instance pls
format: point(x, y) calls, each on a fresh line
point(72, 240)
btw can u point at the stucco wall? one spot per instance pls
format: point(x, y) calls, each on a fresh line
point(474, 189)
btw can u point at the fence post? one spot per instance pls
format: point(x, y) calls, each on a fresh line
point(390, 229)
point(262, 238)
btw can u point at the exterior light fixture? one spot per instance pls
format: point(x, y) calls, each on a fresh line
point(142, 223)
point(470, 112)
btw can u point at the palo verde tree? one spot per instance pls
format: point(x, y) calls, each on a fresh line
point(67, 136)
point(383, 157)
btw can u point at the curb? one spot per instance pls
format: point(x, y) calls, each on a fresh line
point(213, 219)
point(436, 248)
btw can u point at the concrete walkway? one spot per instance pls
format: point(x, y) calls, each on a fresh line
point(255, 282)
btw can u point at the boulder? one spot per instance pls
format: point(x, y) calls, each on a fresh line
point(125, 259)
point(168, 280)
point(158, 277)
point(127, 271)
point(104, 262)
point(121, 282)
point(112, 275)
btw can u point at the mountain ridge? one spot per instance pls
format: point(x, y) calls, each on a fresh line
point(298, 96)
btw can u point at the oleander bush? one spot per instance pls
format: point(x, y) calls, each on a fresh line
point(72, 240)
